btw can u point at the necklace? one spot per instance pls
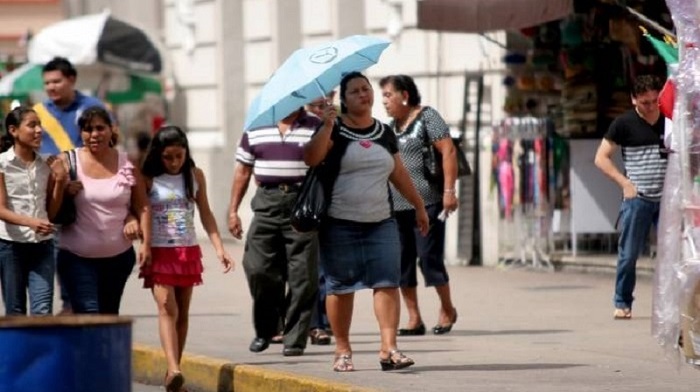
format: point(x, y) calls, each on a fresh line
point(375, 134)
point(412, 114)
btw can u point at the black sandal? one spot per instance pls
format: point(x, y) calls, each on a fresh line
point(396, 360)
point(174, 382)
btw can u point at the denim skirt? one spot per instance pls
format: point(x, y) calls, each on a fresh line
point(358, 255)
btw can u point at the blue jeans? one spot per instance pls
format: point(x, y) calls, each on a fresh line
point(27, 267)
point(65, 301)
point(636, 218)
point(95, 285)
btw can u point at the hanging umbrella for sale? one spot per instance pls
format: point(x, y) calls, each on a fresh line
point(310, 73)
point(98, 38)
point(27, 79)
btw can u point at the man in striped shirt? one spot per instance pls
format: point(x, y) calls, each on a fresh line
point(275, 255)
point(639, 134)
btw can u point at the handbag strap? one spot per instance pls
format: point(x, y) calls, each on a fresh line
point(72, 164)
point(424, 128)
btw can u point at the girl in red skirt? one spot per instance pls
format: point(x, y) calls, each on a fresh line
point(175, 186)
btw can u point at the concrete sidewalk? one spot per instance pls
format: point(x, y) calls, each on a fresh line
point(517, 330)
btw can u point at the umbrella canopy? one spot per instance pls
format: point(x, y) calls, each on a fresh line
point(27, 79)
point(97, 38)
point(310, 73)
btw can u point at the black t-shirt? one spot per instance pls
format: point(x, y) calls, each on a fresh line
point(643, 152)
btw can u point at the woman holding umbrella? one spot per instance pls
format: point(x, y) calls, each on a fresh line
point(359, 242)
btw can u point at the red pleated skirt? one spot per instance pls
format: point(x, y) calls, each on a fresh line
point(177, 266)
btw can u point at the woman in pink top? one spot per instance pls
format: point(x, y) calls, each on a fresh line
point(95, 257)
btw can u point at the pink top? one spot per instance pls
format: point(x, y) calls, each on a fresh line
point(102, 207)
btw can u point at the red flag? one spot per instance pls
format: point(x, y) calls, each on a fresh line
point(667, 98)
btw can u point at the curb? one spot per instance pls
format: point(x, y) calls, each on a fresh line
point(597, 264)
point(204, 374)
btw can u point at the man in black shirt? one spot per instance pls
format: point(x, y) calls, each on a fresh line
point(638, 133)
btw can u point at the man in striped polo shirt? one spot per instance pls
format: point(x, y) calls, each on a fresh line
point(275, 255)
point(639, 134)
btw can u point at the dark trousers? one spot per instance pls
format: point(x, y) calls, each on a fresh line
point(429, 250)
point(95, 285)
point(275, 255)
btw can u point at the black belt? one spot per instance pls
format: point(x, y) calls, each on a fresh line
point(286, 188)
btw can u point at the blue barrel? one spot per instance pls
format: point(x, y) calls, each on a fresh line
point(65, 354)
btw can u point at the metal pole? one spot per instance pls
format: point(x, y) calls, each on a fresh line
point(476, 214)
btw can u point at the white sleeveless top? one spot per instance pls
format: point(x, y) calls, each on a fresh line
point(173, 213)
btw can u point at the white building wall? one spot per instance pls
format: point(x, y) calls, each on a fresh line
point(239, 44)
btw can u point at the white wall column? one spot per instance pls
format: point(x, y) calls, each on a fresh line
point(349, 17)
point(231, 85)
point(286, 28)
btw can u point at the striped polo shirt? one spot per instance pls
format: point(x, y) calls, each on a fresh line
point(643, 152)
point(276, 158)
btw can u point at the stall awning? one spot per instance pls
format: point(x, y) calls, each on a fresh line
point(475, 16)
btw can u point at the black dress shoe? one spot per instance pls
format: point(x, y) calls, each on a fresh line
point(417, 331)
point(293, 351)
point(259, 345)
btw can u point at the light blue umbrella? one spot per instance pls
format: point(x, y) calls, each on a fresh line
point(310, 73)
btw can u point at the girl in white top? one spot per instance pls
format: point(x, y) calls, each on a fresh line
point(175, 186)
point(31, 192)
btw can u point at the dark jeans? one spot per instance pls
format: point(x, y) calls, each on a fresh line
point(636, 218)
point(319, 318)
point(95, 285)
point(429, 250)
point(27, 267)
point(276, 255)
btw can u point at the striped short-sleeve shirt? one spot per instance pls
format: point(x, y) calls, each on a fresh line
point(277, 158)
point(643, 152)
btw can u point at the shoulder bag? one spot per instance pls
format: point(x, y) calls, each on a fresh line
point(310, 206)
point(432, 159)
point(67, 213)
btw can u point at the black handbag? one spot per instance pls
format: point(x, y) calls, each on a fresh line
point(463, 168)
point(67, 213)
point(432, 159)
point(310, 206)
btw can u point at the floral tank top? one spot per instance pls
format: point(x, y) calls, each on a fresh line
point(172, 211)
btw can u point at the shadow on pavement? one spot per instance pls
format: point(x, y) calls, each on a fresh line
point(507, 332)
point(494, 367)
point(557, 288)
point(376, 351)
point(191, 316)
